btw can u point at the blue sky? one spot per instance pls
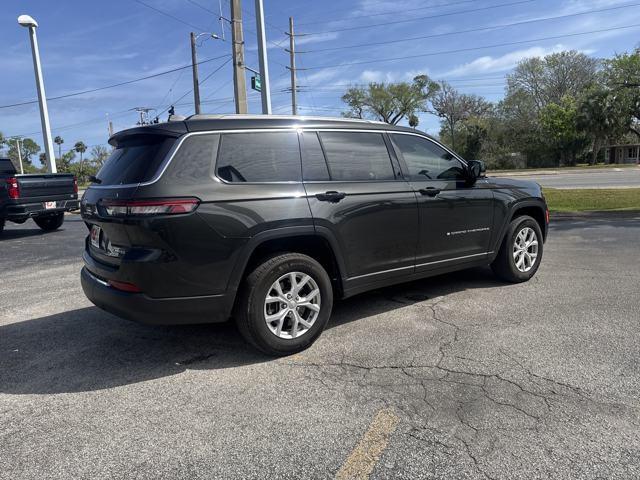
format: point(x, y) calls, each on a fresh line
point(86, 45)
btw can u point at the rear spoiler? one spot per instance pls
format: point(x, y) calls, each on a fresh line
point(172, 130)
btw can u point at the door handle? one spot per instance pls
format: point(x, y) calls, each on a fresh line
point(331, 196)
point(430, 191)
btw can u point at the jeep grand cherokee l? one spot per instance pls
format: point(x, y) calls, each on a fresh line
point(268, 219)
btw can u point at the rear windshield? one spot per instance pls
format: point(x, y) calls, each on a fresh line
point(135, 160)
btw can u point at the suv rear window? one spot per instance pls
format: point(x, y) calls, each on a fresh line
point(135, 160)
point(259, 157)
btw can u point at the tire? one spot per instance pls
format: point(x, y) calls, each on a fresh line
point(514, 263)
point(2, 220)
point(252, 305)
point(50, 222)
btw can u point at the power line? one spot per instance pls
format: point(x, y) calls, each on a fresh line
point(443, 52)
point(394, 12)
point(415, 19)
point(128, 82)
point(203, 80)
point(167, 14)
point(472, 30)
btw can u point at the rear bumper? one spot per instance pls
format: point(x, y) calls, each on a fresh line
point(37, 209)
point(156, 311)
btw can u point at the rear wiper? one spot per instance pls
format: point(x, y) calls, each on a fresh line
point(94, 179)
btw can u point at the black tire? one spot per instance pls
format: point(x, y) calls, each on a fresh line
point(1, 226)
point(50, 222)
point(250, 305)
point(504, 265)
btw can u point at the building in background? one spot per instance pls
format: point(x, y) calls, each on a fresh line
point(629, 153)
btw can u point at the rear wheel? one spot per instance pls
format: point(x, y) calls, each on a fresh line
point(521, 251)
point(1, 225)
point(284, 304)
point(50, 222)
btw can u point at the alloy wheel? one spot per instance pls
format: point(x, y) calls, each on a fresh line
point(525, 249)
point(292, 305)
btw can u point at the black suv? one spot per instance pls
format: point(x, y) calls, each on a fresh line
point(268, 219)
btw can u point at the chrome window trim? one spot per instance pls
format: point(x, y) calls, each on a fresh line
point(169, 157)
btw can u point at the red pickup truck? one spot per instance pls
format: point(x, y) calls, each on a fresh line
point(43, 197)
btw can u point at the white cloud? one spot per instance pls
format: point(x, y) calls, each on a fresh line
point(490, 64)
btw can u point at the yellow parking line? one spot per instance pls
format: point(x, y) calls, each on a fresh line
point(364, 457)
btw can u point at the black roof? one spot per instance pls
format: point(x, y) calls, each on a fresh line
point(200, 123)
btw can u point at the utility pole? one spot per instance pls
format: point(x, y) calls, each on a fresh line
point(194, 68)
point(292, 68)
point(237, 40)
point(19, 155)
point(262, 55)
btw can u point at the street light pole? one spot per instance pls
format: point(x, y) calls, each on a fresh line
point(27, 21)
point(262, 56)
point(194, 68)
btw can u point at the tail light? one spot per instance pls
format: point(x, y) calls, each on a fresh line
point(145, 208)
point(75, 184)
point(13, 189)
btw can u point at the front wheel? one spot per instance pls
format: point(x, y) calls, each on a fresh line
point(284, 304)
point(521, 251)
point(50, 222)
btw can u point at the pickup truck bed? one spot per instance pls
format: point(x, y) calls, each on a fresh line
point(43, 197)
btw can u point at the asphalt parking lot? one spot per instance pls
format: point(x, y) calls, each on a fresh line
point(458, 376)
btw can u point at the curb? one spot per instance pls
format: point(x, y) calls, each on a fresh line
point(630, 214)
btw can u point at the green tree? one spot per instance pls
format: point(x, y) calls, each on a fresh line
point(454, 107)
point(392, 102)
point(65, 161)
point(551, 78)
point(622, 76)
point(602, 116)
point(560, 130)
point(99, 153)
point(80, 147)
point(59, 141)
point(28, 148)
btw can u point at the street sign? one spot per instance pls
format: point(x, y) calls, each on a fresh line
point(256, 83)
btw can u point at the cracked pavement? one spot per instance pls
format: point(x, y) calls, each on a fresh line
point(488, 380)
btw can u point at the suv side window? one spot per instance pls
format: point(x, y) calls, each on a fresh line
point(193, 163)
point(357, 156)
point(259, 157)
point(426, 160)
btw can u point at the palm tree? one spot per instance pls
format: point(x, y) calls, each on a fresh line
point(59, 141)
point(80, 147)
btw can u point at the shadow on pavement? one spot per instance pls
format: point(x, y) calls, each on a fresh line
point(88, 349)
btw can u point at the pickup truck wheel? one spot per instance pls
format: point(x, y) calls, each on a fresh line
point(284, 304)
point(521, 251)
point(50, 222)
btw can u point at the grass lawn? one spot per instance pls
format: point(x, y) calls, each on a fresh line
point(582, 200)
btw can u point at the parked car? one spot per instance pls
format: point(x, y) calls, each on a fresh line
point(42, 197)
point(269, 219)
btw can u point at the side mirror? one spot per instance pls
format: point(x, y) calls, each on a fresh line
point(475, 169)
